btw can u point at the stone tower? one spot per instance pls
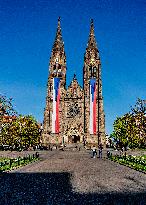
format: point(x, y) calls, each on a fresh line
point(74, 114)
point(94, 120)
point(57, 69)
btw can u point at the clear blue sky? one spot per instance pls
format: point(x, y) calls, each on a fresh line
point(27, 32)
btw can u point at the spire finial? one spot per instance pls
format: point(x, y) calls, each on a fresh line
point(59, 27)
point(91, 27)
point(91, 21)
point(74, 76)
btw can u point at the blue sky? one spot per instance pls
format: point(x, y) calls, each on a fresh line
point(27, 34)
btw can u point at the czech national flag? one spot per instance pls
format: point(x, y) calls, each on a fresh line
point(56, 98)
point(92, 128)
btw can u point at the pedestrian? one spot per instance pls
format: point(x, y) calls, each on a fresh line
point(34, 147)
point(100, 150)
point(84, 141)
point(94, 151)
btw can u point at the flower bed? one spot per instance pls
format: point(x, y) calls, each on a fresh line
point(135, 162)
point(11, 163)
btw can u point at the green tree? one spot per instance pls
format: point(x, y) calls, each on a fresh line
point(20, 131)
point(7, 112)
point(6, 106)
point(139, 114)
point(130, 129)
point(120, 134)
point(29, 132)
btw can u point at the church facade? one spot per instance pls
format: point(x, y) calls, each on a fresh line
point(74, 114)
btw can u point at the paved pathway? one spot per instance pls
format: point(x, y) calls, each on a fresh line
point(73, 178)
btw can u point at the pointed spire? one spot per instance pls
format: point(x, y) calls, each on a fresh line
point(92, 40)
point(58, 39)
point(57, 65)
point(92, 53)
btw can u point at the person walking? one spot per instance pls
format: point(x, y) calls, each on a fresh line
point(100, 150)
point(94, 151)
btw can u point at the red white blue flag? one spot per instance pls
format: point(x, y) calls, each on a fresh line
point(92, 128)
point(56, 98)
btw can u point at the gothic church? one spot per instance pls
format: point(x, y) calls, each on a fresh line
point(74, 114)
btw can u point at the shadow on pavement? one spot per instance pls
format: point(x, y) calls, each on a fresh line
point(55, 189)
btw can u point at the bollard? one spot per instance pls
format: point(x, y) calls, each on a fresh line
point(18, 161)
point(125, 155)
point(37, 155)
point(111, 155)
point(29, 157)
point(10, 162)
point(108, 154)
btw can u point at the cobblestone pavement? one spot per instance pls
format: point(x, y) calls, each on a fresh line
point(64, 177)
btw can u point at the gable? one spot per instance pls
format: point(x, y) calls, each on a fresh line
point(74, 90)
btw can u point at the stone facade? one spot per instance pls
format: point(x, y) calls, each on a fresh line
point(74, 110)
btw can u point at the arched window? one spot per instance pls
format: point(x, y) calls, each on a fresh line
point(59, 68)
point(54, 67)
point(57, 60)
point(90, 71)
point(94, 72)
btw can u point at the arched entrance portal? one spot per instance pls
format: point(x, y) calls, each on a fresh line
point(75, 138)
point(74, 135)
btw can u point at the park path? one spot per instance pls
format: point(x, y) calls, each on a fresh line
point(73, 178)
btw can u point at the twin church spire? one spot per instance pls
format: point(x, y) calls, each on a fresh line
point(58, 56)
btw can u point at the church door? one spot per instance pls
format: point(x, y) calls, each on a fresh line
point(76, 139)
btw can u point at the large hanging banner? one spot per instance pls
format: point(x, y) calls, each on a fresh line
point(92, 128)
point(56, 98)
